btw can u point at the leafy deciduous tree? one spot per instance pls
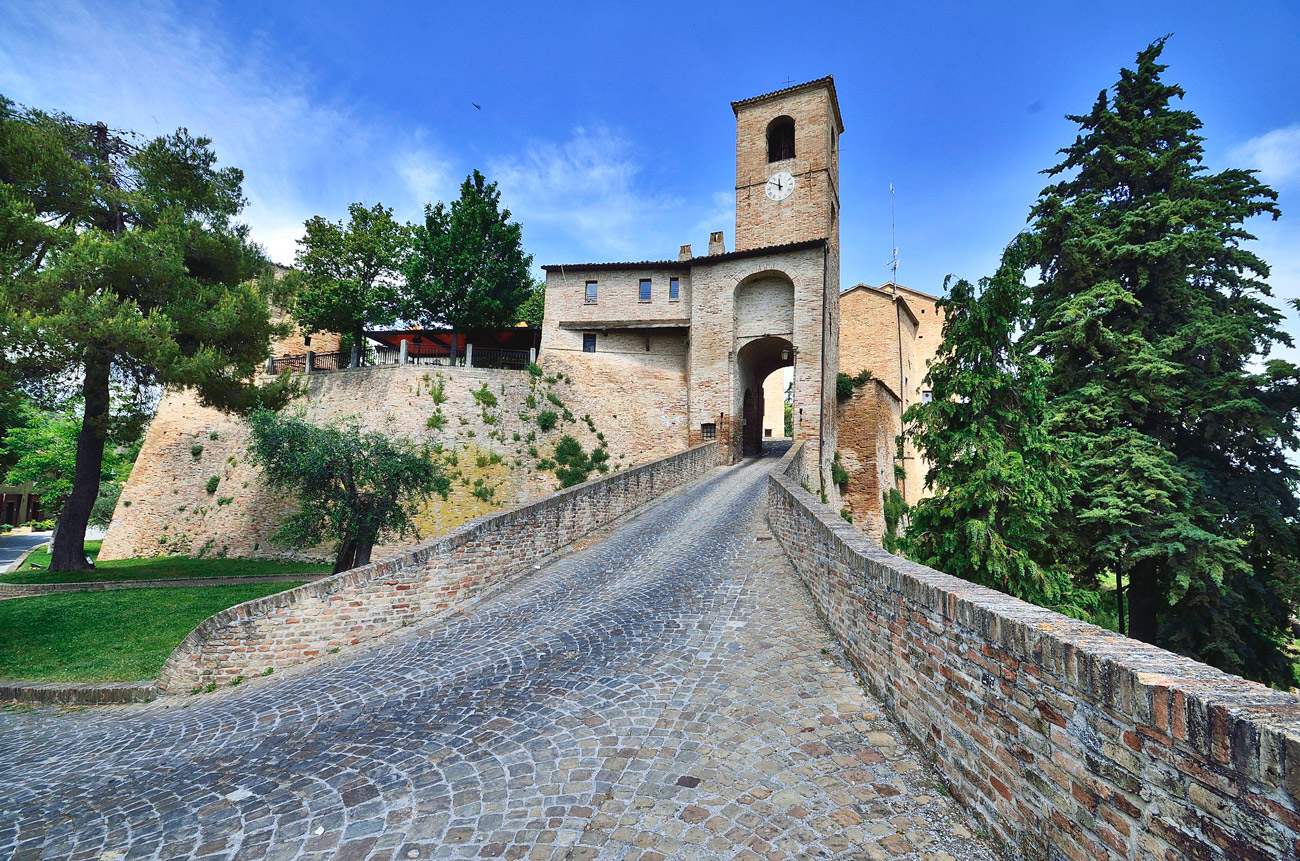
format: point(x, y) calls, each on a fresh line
point(348, 275)
point(533, 308)
point(352, 486)
point(468, 271)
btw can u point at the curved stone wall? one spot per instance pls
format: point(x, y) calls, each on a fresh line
point(1067, 740)
point(439, 576)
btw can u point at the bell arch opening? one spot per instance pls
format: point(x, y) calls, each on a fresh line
point(780, 139)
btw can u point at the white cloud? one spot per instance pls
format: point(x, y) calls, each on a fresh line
point(721, 215)
point(158, 66)
point(428, 176)
point(1276, 155)
point(586, 189)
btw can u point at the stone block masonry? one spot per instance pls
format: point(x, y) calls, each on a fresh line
point(1066, 740)
point(195, 490)
point(438, 577)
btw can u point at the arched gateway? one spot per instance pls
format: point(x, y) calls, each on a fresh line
point(682, 347)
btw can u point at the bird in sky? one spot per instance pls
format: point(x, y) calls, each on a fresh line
point(476, 105)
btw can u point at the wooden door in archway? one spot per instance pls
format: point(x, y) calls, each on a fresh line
point(751, 438)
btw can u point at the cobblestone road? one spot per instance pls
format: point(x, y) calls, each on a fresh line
point(665, 692)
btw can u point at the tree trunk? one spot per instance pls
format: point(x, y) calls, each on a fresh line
point(1143, 604)
point(347, 553)
point(364, 546)
point(69, 550)
point(1119, 602)
point(453, 349)
point(358, 340)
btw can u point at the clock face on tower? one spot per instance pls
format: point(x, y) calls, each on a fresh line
point(780, 186)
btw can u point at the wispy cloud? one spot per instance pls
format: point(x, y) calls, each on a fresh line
point(586, 189)
point(720, 215)
point(428, 176)
point(1276, 155)
point(162, 66)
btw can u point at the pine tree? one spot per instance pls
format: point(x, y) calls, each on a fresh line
point(1155, 324)
point(997, 478)
point(122, 269)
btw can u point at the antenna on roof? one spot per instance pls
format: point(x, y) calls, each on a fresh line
point(788, 80)
point(893, 241)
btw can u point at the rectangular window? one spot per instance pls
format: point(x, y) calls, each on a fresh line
point(588, 342)
point(591, 293)
point(645, 289)
point(673, 289)
point(709, 430)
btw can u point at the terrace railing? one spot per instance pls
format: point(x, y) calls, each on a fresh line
point(487, 357)
point(408, 353)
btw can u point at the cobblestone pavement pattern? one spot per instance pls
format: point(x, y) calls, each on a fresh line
point(665, 692)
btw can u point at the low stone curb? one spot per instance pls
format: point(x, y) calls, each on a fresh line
point(27, 590)
point(92, 693)
point(21, 559)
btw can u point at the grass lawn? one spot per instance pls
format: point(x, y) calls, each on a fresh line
point(158, 568)
point(118, 636)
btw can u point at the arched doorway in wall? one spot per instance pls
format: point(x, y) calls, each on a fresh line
point(756, 360)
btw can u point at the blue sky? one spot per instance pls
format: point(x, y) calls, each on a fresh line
point(608, 126)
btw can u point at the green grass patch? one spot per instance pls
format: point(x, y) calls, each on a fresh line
point(158, 568)
point(119, 636)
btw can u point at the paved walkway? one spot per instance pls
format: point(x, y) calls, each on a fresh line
point(12, 547)
point(666, 692)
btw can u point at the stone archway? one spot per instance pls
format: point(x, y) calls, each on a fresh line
point(755, 361)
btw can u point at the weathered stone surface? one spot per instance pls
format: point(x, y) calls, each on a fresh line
point(166, 508)
point(1066, 740)
point(645, 698)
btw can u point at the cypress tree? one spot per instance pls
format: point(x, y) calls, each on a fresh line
point(998, 480)
point(1156, 326)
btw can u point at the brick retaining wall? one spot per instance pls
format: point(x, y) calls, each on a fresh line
point(302, 624)
point(1065, 739)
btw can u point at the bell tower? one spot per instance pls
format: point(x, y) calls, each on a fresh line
point(788, 166)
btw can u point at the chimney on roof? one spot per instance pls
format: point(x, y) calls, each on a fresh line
point(716, 244)
point(685, 253)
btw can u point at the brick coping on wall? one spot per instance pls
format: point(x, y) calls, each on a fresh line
point(461, 541)
point(1067, 739)
point(82, 694)
point(28, 590)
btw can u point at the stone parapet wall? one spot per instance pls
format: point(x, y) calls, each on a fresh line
point(1067, 740)
point(302, 624)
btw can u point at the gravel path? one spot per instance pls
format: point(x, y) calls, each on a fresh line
point(665, 692)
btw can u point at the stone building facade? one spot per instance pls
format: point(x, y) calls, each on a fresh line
point(893, 332)
point(716, 326)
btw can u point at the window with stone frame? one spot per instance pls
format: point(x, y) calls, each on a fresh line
point(709, 430)
point(590, 296)
point(674, 290)
point(643, 295)
point(588, 342)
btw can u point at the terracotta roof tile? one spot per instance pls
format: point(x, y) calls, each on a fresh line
point(828, 82)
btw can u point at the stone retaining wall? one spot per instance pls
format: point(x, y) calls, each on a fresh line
point(1066, 739)
point(302, 624)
